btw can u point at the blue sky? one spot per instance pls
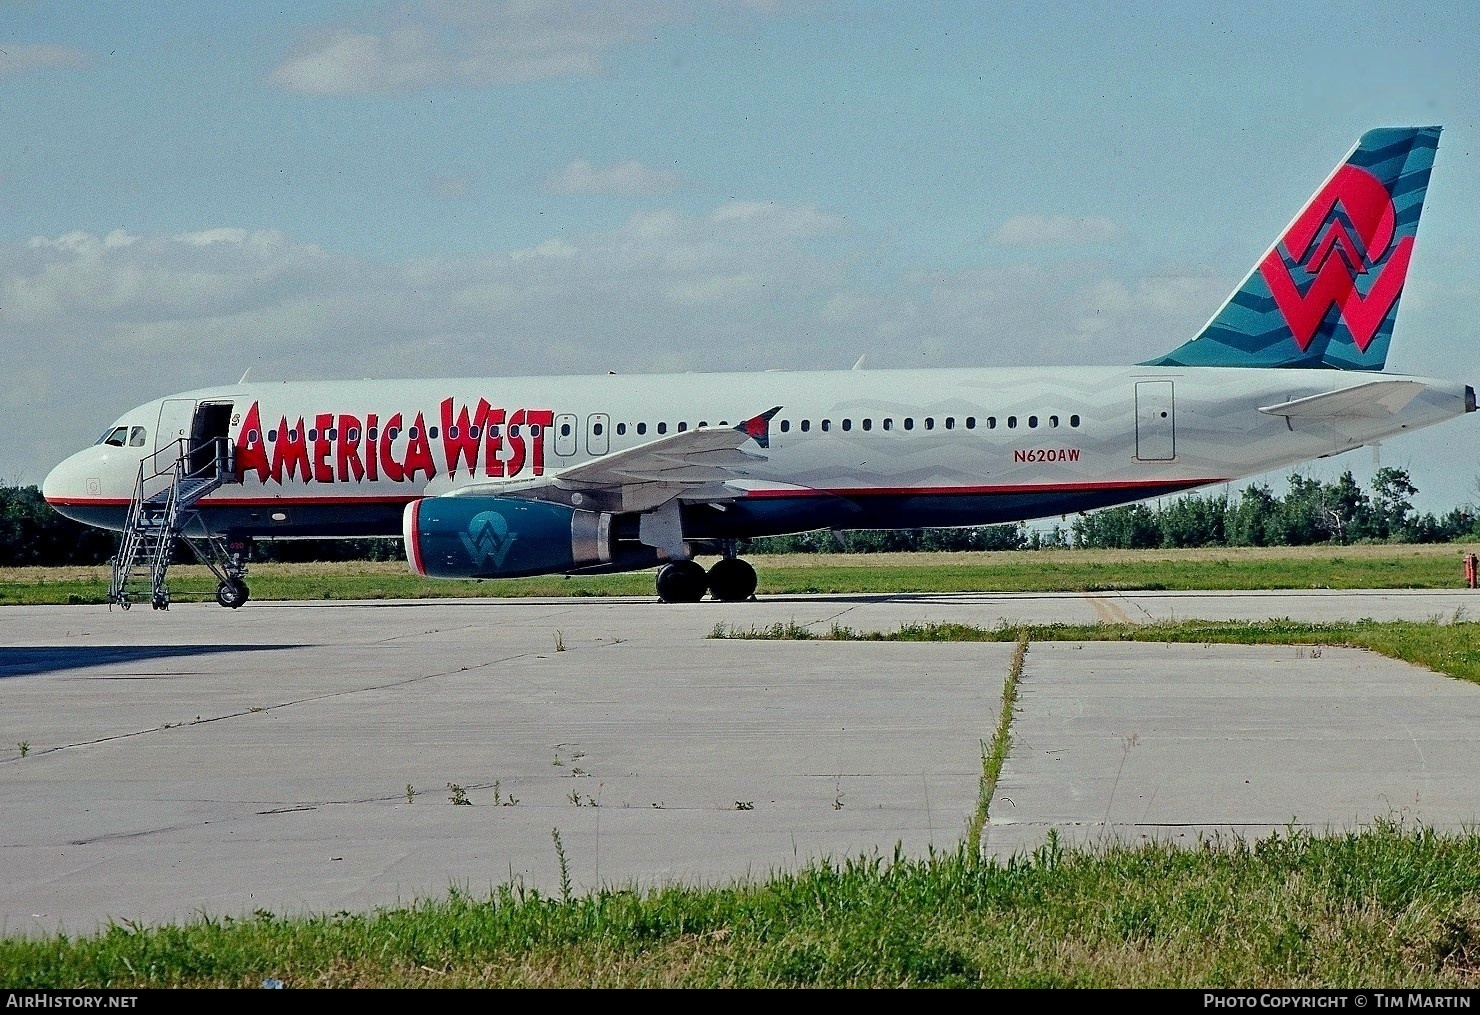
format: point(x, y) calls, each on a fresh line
point(450, 188)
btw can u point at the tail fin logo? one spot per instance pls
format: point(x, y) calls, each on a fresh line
point(1344, 234)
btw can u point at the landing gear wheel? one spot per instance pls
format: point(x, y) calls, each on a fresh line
point(161, 600)
point(682, 581)
point(232, 593)
point(732, 580)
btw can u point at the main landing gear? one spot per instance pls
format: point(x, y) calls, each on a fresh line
point(730, 580)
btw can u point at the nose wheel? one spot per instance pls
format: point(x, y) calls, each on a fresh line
point(232, 593)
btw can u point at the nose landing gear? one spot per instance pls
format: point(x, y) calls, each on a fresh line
point(232, 593)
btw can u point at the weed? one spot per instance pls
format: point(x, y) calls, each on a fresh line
point(24, 747)
point(559, 641)
point(565, 891)
point(744, 805)
point(574, 796)
point(995, 754)
point(410, 793)
point(838, 794)
point(456, 794)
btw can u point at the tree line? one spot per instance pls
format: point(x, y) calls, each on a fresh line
point(1309, 512)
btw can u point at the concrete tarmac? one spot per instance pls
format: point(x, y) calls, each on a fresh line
point(304, 757)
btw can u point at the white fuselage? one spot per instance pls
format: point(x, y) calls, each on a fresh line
point(851, 449)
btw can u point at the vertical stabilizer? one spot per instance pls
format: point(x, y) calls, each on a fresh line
point(1326, 294)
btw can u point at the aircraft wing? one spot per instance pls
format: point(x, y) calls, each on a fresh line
point(691, 465)
point(1373, 400)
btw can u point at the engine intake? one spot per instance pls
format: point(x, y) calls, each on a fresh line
point(502, 537)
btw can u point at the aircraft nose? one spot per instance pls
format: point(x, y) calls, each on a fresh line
point(63, 486)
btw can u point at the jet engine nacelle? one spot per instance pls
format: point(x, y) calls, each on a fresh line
point(502, 537)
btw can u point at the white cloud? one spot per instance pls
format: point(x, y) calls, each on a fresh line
point(1056, 230)
point(16, 58)
point(468, 44)
point(622, 178)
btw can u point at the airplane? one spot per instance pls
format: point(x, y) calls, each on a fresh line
point(507, 476)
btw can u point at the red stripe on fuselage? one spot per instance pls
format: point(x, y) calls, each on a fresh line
point(966, 491)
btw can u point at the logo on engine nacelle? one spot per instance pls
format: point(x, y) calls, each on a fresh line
point(488, 539)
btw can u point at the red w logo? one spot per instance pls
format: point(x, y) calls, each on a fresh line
point(1323, 244)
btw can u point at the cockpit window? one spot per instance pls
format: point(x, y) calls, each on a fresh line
point(115, 438)
point(136, 437)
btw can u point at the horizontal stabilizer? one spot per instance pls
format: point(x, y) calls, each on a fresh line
point(1365, 401)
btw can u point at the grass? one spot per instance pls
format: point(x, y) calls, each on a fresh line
point(995, 754)
point(1336, 567)
point(1452, 648)
point(1389, 905)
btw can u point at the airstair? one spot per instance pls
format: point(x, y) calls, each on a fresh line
point(163, 513)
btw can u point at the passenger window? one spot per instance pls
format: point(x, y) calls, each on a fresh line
point(1073, 420)
point(991, 422)
point(806, 425)
point(702, 423)
point(847, 424)
point(1033, 422)
point(888, 423)
point(1053, 421)
point(662, 428)
point(565, 429)
point(431, 432)
point(136, 437)
point(1012, 422)
point(370, 434)
point(868, 424)
point(929, 422)
point(950, 422)
point(272, 436)
point(596, 429)
point(333, 433)
point(313, 433)
point(534, 430)
point(513, 431)
point(971, 422)
point(826, 425)
point(682, 427)
point(641, 429)
point(909, 422)
point(621, 429)
point(786, 426)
